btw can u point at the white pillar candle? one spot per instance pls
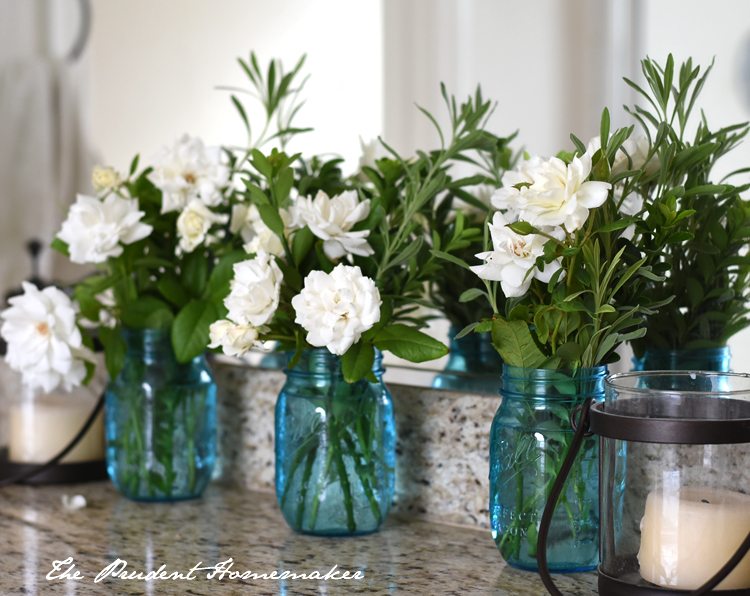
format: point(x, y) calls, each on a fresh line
point(40, 428)
point(688, 534)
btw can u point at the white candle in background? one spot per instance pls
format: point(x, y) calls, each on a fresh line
point(40, 428)
point(688, 534)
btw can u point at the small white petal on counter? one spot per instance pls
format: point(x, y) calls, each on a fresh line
point(73, 503)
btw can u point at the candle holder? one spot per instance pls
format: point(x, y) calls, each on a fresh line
point(672, 518)
point(51, 438)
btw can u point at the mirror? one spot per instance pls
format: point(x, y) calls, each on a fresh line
point(151, 67)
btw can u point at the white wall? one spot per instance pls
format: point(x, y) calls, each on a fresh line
point(156, 64)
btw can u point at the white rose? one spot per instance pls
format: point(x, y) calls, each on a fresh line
point(194, 223)
point(255, 292)
point(265, 240)
point(104, 178)
point(557, 194)
point(257, 235)
point(234, 339)
point(331, 220)
point(95, 230)
point(507, 197)
point(187, 170)
point(337, 308)
point(514, 256)
point(44, 343)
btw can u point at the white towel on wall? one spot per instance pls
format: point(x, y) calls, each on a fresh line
point(44, 161)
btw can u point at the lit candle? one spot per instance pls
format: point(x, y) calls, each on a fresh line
point(688, 534)
point(42, 427)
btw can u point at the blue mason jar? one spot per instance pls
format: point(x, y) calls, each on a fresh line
point(335, 448)
point(476, 362)
point(529, 438)
point(160, 421)
point(707, 359)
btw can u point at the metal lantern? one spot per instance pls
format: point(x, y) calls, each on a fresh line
point(675, 511)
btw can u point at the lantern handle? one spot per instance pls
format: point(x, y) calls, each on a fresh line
point(581, 431)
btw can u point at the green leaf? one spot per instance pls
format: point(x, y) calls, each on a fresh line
point(89, 305)
point(115, 349)
point(694, 291)
point(60, 246)
point(357, 361)
point(513, 340)
point(523, 228)
point(194, 272)
point(678, 237)
point(466, 330)
point(284, 183)
point(448, 257)
point(604, 347)
point(411, 250)
point(270, 216)
point(171, 288)
point(618, 224)
point(409, 343)
point(261, 163)
point(569, 351)
point(190, 336)
point(134, 164)
point(217, 287)
point(301, 244)
point(147, 312)
point(471, 294)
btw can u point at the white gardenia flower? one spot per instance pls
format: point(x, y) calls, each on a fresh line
point(514, 256)
point(337, 308)
point(96, 229)
point(187, 170)
point(105, 177)
point(557, 194)
point(257, 235)
point(194, 223)
point(331, 220)
point(234, 339)
point(255, 292)
point(44, 343)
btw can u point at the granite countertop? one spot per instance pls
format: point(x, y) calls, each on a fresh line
point(404, 557)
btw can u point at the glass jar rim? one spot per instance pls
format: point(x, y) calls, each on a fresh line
point(619, 381)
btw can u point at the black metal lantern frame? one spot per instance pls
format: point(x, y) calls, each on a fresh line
point(673, 414)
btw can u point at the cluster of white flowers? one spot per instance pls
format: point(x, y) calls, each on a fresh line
point(188, 170)
point(337, 308)
point(555, 198)
point(332, 219)
point(252, 302)
point(96, 229)
point(44, 342)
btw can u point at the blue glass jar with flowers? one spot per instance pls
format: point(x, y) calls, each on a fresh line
point(565, 279)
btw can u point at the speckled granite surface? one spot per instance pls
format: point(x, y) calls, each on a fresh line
point(404, 557)
point(442, 447)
